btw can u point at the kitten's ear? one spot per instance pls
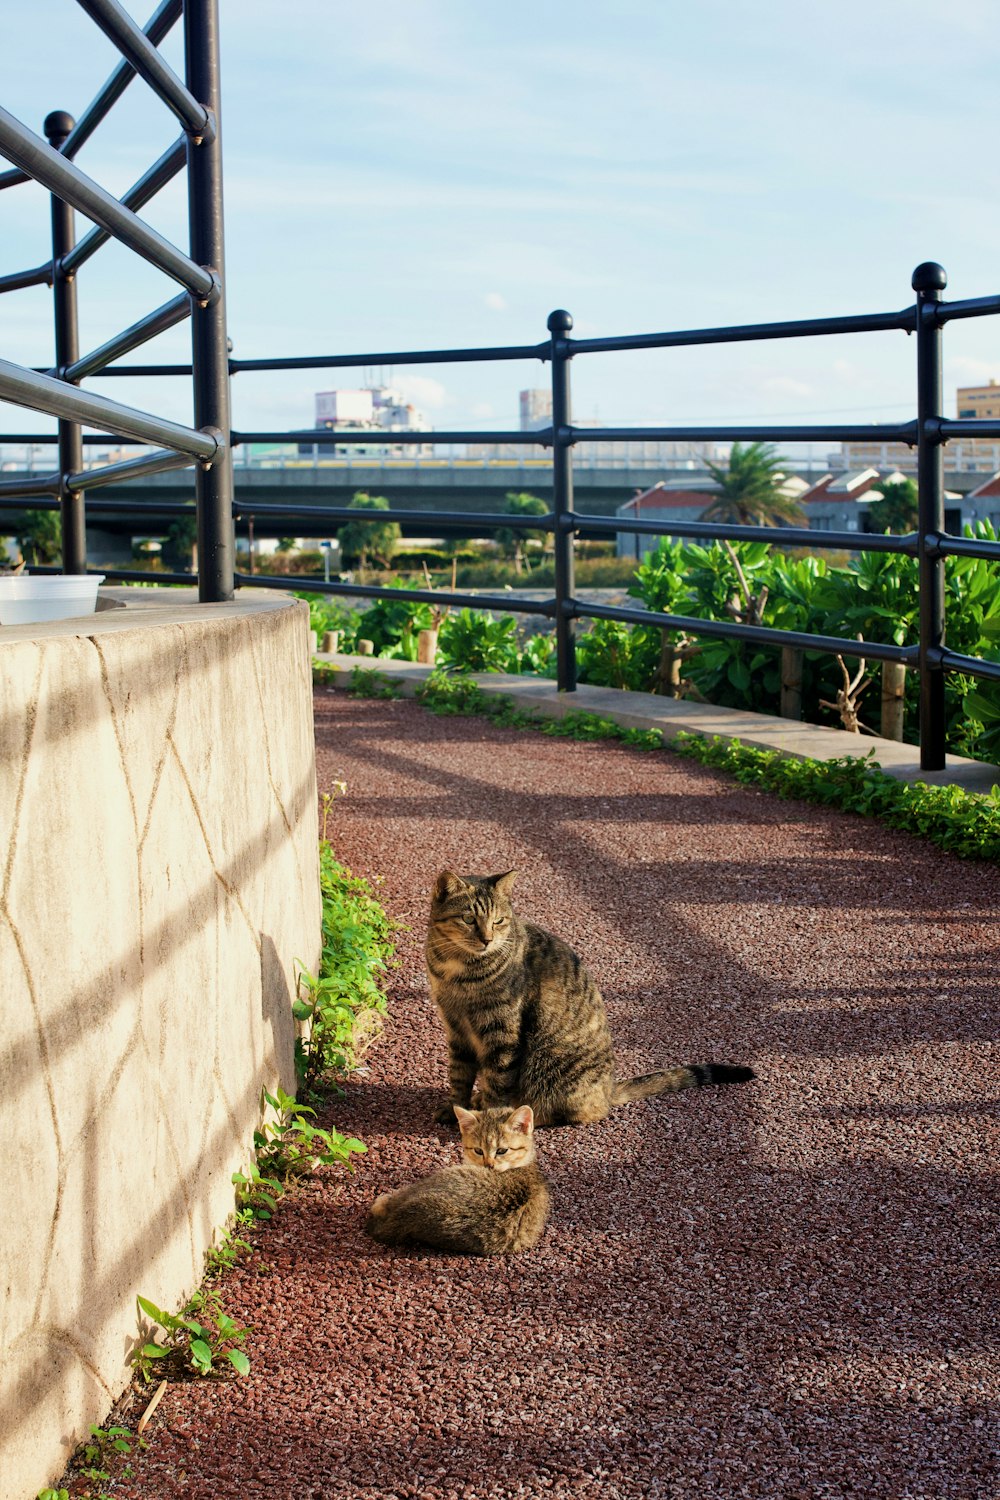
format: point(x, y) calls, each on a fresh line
point(447, 884)
point(503, 883)
point(465, 1117)
point(522, 1119)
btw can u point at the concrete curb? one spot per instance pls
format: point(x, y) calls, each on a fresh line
point(672, 716)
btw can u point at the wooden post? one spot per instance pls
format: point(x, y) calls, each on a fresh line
point(427, 644)
point(669, 672)
point(331, 642)
point(791, 682)
point(893, 699)
point(365, 648)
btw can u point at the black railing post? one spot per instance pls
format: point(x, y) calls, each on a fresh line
point(67, 344)
point(559, 325)
point(929, 281)
point(209, 347)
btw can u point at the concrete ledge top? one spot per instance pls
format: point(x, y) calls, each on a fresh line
point(676, 715)
point(145, 607)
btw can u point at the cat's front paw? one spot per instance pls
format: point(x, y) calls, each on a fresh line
point(446, 1115)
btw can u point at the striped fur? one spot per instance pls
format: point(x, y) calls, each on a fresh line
point(495, 1203)
point(522, 1014)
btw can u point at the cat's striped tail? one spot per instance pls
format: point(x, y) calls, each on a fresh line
point(672, 1080)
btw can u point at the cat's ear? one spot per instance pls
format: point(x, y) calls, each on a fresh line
point(447, 884)
point(503, 883)
point(522, 1119)
point(465, 1117)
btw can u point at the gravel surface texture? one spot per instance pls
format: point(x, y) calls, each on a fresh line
point(785, 1289)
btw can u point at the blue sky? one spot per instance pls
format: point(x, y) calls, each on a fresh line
point(446, 172)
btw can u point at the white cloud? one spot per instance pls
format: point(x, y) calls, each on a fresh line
point(495, 302)
point(423, 391)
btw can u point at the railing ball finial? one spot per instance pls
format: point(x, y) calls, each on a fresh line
point(559, 321)
point(57, 126)
point(929, 277)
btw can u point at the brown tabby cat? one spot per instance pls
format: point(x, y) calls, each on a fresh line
point(495, 1203)
point(522, 1013)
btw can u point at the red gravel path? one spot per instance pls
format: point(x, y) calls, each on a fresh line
point(785, 1289)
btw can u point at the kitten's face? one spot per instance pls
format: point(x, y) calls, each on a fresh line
point(499, 1139)
point(473, 911)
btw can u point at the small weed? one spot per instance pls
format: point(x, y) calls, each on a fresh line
point(226, 1254)
point(290, 1146)
point(51, 1494)
point(101, 1455)
point(366, 682)
point(256, 1194)
point(196, 1340)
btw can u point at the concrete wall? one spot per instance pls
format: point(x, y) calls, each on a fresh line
point(158, 880)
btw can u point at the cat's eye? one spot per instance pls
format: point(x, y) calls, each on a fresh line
point(502, 1150)
point(499, 921)
point(469, 921)
point(477, 1150)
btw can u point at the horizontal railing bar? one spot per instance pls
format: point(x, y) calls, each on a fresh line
point(156, 28)
point(145, 370)
point(412, 439)
point(969, 427)
point(340, 514)
point(154, 323)
point(129, 468)
point(748, 332)
point(97, 504)
point(970, 666)
point(36, 484)
point(39, 438)
point(764, 635)
point(779, 536)
point(18, 280)
point(135, 46)
point(419, 596)
point(126, 575)
point(61, 177)
point(395, 357)
point(970, 307)
point(173, 160)
point(874, 432)
point(27, 388)
point(963, 546)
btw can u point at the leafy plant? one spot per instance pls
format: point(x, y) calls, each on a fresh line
point(393, 625)
point(256, 1195)
point(750, 489)
point(368, 682)
point(290, 1146)
point(512, 539)
point(103, 1451)
point(199, 1340)
point(476, 642)
point(222, 1257)
point(341, 1007)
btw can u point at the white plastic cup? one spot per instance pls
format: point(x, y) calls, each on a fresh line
point(27, 598)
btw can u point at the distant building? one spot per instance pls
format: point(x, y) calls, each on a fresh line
point(979, 401)
point(961, 456)
point(378, 410)
point(536, 410)
point(837, 502)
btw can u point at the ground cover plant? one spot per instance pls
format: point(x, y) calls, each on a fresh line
point(871, 596)
point(966, 823)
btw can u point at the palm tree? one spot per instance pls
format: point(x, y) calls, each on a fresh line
point(750, 489)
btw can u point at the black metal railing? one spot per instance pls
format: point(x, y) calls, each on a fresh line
point(209, 444)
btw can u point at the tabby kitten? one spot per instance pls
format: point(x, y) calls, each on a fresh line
point(522, 1013)
point(495, 1203)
